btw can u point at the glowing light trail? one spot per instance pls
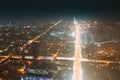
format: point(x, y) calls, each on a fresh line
point(77, 62)
point(30, 41)
point(5, 58)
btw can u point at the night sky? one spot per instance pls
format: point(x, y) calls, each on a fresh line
point(59, 7)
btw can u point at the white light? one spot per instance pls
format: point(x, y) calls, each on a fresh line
point(77, 65)
point(72, 34)
point(29, 57)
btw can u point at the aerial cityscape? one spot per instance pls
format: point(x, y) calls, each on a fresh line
point(59, 40)
point(59, 49)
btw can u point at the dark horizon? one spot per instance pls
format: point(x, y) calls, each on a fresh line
point(35, 8)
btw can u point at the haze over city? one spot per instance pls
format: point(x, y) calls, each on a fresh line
point(59, 40)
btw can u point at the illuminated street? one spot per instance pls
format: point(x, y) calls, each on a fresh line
point(52, 47)
point(77, 75)
point(30, 41)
